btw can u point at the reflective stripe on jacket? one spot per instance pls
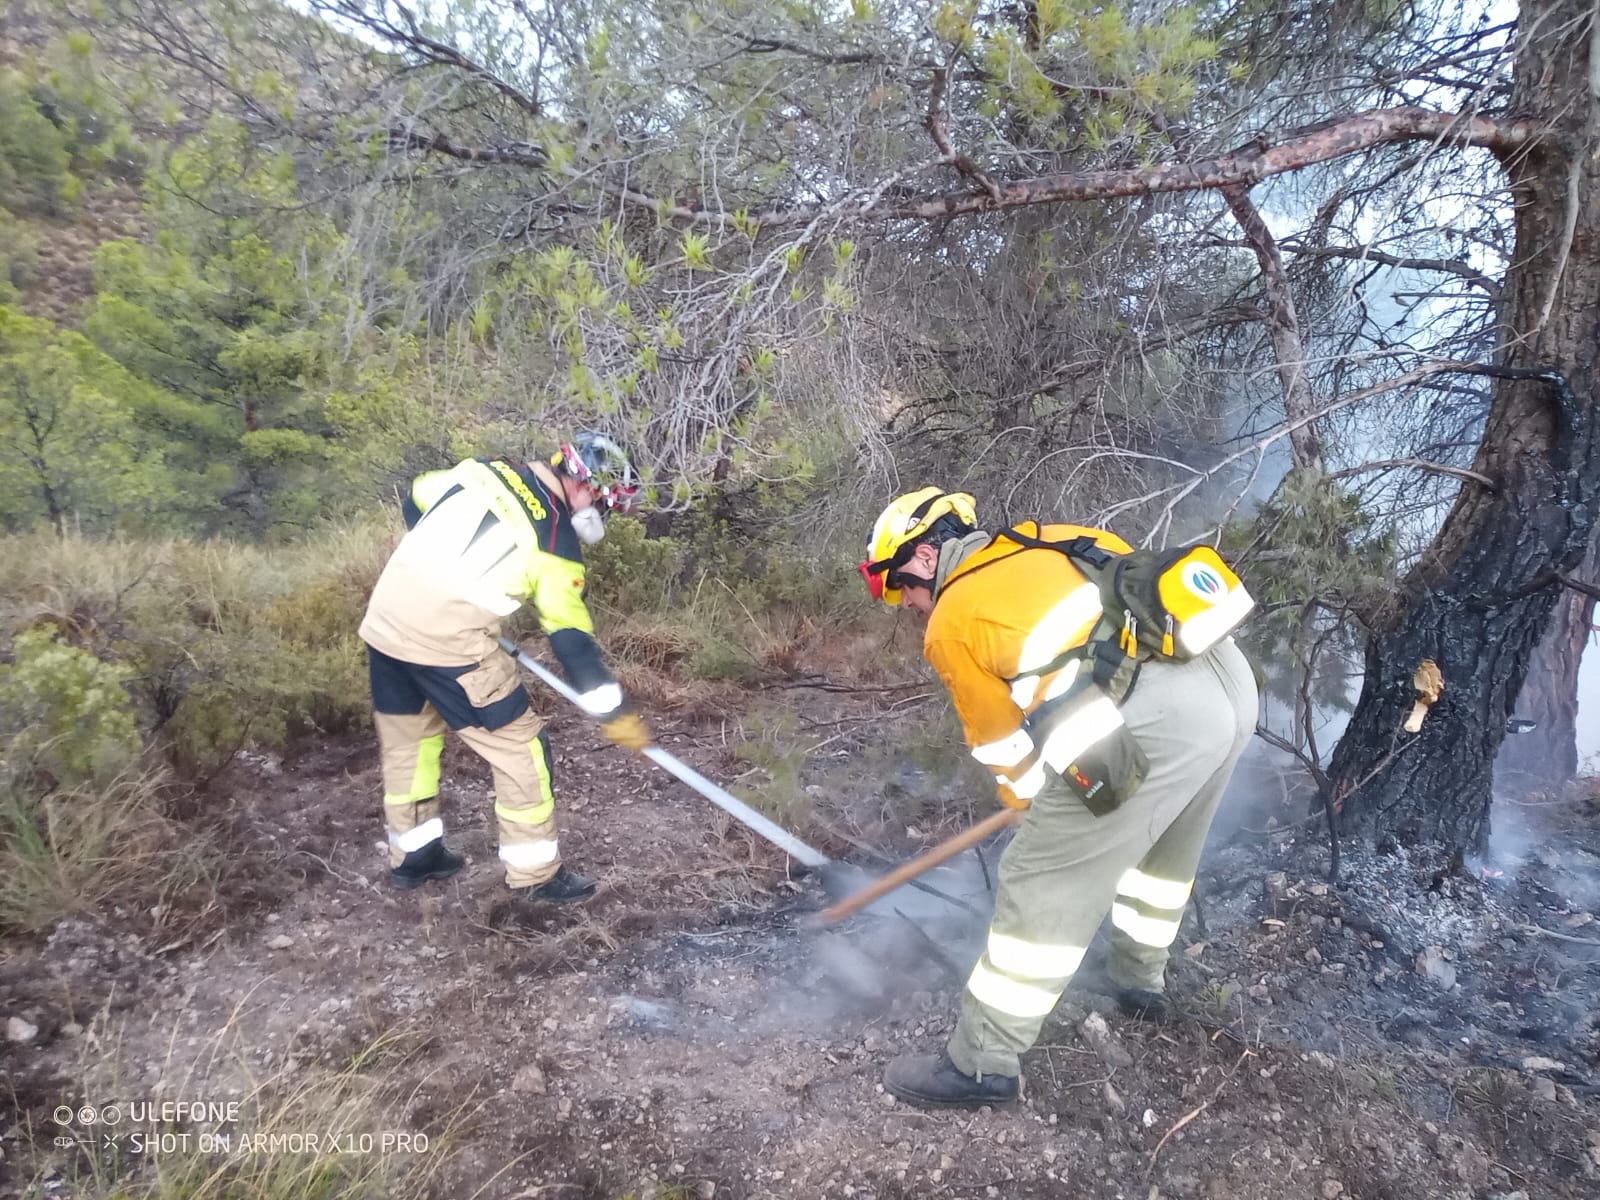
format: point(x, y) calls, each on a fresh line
point(1004, 617)
point(485, 536)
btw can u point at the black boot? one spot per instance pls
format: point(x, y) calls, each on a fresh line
point(433, 861)
point(1142, 1004)
point(564, 887)
point(933, 1081)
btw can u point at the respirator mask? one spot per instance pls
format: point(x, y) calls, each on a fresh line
point(589, 524)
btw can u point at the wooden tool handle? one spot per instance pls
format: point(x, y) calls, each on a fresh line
point(905, 872)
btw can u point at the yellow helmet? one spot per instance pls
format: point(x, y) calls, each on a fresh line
point(895, 535)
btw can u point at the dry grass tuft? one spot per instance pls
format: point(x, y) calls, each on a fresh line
point(302, 1132)
point(70, 851)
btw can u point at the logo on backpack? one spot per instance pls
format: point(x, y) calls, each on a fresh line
point(1204, 582)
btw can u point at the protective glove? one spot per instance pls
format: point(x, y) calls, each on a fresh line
point(628, 730)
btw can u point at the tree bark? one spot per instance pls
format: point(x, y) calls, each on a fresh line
point(1478, 600)
point(1549, 754)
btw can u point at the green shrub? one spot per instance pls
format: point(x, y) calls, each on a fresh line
point(629, 571)
point(254, 667)
point(19, 256)
point(223, 646)
point(716, 659)
point(35, 174)
point(65, 712)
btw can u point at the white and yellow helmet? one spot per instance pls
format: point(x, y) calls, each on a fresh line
point(895, 535)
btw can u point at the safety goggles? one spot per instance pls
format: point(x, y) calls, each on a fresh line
point(598, 458)
point(886, 575)
point(622, 498)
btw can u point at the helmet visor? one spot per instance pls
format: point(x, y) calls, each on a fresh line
point(874, 579)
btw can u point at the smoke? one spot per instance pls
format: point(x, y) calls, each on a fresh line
point(893, 956)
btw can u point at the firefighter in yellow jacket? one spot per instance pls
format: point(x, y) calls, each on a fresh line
point(1008, 627)
point(483, 537)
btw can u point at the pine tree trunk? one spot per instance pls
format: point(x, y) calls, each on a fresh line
point(1479, 599)
point(1549, 753)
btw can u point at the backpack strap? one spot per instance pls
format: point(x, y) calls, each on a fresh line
point(1083, 548)
point(1114, 664)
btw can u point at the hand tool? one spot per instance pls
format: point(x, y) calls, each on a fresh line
point(838, 879)
point(908, 871)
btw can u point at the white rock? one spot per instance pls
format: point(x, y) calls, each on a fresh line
point(1431, 964)
point(529, 1079)
point(20, 1031)
point(1537, 1062)
point(282, 942)
point(1101, 1040)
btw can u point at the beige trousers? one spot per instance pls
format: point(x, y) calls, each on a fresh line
point(518, 753)
point(1066, 867)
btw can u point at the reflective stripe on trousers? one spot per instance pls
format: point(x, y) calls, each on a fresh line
point(1149, 909)
point(1066, 868)
point(1022, 978)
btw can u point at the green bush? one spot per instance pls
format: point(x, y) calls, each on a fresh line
point(629, 571)
point(223, 646)
point(35, 165)
point(1311, 543)
point(79, 822)
point(259, 668)
point(717, 659)
point(66, 712)
point(71, 850)
point(19, 256)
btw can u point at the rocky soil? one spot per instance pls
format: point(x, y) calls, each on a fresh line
point(1408, 1032)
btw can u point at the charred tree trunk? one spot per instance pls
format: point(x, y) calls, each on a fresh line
point(1478, 601)
point(1549, 754)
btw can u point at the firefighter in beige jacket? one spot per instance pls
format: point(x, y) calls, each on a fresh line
point(483, 537)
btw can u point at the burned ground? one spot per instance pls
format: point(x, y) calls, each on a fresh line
point(1413, 1031)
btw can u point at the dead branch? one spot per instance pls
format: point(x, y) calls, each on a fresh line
point(938, 128)
point(1445, 266)
point(1195, 1112)
point(754, 44)
point(1283, 325)
point(513, 156)
point(1421, 464)
point(1258, 160)
point(1561, 937)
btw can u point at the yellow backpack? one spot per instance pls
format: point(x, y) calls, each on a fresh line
point(1170, 604)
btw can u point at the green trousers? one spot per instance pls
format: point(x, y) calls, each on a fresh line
point(1066, 867)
